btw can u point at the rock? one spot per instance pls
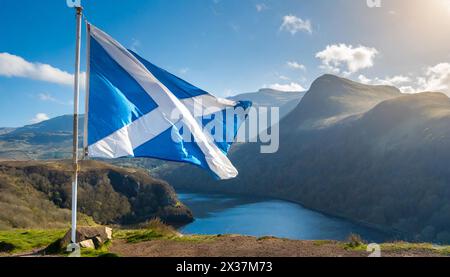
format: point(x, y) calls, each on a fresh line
point(98, 235)
point(98, 242)
point(87, 244)
point(108, 232)
point(6, 247)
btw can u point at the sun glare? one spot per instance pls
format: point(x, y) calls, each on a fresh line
point(446, 4)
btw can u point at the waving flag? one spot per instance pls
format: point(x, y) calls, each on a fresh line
point(136, 109)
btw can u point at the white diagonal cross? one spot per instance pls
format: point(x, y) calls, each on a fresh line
point(122, 142)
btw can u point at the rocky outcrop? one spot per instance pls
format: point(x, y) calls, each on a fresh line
point(88, 237)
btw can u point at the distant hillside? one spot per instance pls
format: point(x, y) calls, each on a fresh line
point(378, 157)
point(38, 194)
point(4, 131)
point(60, 124)
point(50, 139)
point(286, 101)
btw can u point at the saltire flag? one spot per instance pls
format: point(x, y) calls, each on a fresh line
point(131, 107)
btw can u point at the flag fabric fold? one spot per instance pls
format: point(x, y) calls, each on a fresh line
point(136, 109)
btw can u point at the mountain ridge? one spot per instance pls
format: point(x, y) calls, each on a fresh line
point(375, 165)
point(332, 98)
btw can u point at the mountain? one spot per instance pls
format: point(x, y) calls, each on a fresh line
point(286, 101)
point(331, 99)
point(38, 195)
point(50, 139)
point(60, 124)
point(4, 131)
point(366, 153)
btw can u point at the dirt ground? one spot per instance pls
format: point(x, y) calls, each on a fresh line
point(241, 246)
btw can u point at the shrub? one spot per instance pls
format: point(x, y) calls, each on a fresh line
point(354, 241)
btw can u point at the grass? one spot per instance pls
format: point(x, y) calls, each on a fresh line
point(103, 251)
point(27, 240)
point(405, 246)
point(444, 251)
point(156, 230)
point(355, 244)
point(23, 241)
point(400, 245)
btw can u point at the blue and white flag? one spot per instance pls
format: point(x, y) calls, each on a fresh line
point(136, 109)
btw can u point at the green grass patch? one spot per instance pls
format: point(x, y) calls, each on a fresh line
point(399, 246)
point(156, 230)
point(393, 246)
point(142, 235)
point(134, 236)
point(19, 241)
point(444, 250)
point(103, 251)
point(405, 246)
point(361, 247)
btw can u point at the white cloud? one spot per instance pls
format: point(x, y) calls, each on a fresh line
point(398, 80)
point(286, 87)
point(435, 78)
point(363, 79)
point(47, 97)
point(285, 78)
point(346, 58)
point(296, 65)
point(15, 66)
point(294, 24)
point(261, 7)
point(39, 117)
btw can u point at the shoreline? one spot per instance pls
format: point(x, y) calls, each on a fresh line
point(398, 236)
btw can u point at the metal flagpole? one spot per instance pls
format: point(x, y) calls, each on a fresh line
point(79, 11)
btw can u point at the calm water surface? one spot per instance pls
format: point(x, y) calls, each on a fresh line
point(224, 214)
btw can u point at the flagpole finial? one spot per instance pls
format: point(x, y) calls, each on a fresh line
point(79, 10)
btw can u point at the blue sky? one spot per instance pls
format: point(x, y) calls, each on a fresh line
point(225, 46)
